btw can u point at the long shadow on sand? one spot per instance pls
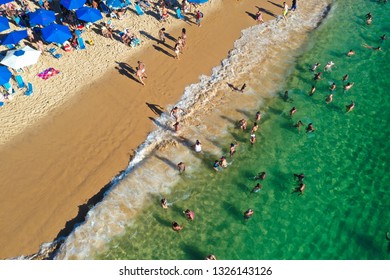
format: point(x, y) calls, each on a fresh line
point(268, 12)
point(126, 70)
point(155, 108)
point(157, 48)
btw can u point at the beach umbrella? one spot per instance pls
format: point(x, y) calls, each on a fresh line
point(42, 17)
point(115, 4)
point(88, 14)
point(20, 58)
point(5, 75)
point(72, 4)
point(5, 1)
point(197, 1)
point(56, 33)
point(4, 23)
point(14, 37)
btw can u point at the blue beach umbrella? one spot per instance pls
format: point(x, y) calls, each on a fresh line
point(88, 14)
point(56, 33)
point(4, 23)
point(5, 1)
point(41, 17)
point(14, 37)
point(197, 1)
point(72, 4)
point(115, 4)
point(5, 75)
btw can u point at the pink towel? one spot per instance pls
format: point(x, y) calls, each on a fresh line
point(48, 73)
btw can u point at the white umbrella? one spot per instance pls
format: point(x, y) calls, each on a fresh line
point(20, 58)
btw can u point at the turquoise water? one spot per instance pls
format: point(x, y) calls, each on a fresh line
point(344, 212)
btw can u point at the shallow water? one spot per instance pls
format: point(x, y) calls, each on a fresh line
point(343, 213)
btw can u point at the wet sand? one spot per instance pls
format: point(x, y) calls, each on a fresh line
point(51, 170)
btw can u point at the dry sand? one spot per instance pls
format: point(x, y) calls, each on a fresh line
point(62, 145)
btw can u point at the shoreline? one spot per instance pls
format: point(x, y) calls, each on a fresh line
point(105, 150)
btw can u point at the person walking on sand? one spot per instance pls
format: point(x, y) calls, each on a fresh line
point(141, 72)
point(184, 37)
point(161, 35)
point(294, 5)
point(177, 50)
point(198, 17)
point(285, 10)
point(259, 17)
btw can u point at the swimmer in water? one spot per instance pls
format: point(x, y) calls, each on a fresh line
point(348, 86)
point(317, 76)
point(328, 66)
point(333, 87)
point(329, 99)
point(300, 189)
point(315, 66)
point(253, 139)
point(309, 128)
point(190, 215)
point(257, 188)
point(233, 149)
point(350, 107)
point(216, 165)
point(351, 53)
point(298, 125)
point(248, 213)
point(164, 203)
point(258, 116)
point(211, 257)
point(300, 177)
point(383, 37)
point(369, 18)
point(261, 176)
point(176, 226)
point(312, 91)
point(293, 111)
point(223, 162)
point(372, 48)
point(345, 78)
point(255, 127)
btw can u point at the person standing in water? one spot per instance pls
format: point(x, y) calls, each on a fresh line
point(310, 128)
point(258, 116)
point(329, 99)
point(298, 125)
point(181, 167)
point(313, 90)
point(350, 107)
point(293, 111)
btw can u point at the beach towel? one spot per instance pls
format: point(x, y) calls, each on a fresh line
point(49, 72)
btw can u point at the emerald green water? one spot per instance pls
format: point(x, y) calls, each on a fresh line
point(344, 212)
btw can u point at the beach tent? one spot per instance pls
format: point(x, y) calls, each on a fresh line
point(20, 58)
point(88, 14)
point(4, 23)
point(14, 37)
point(115, 4)
point(42, 17)
point(5, 75)
point(197, 1)
point(56, 33)
point(72, 4)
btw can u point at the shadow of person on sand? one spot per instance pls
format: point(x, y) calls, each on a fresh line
point(268, 12)
point(251, 15)
point(155, 108)
point(157, 48)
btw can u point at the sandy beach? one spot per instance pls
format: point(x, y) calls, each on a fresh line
point(63, 144)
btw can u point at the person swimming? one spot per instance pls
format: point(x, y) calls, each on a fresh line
point(310, 128)
point(190, 215)
point(313, 90)
point(257, 188)
point(345, 78)
point(348, 86)
point(333, 87)
point(314, 66)
point(329, 99)
point(350, 107)
point(328, 66)
point(317, 76)
point(301, 188)
point(298, 125)
point(248, 213)
point(176, 226)
point(164, 203)
point(211, 257)
point(300, 177)
point(261, 176)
